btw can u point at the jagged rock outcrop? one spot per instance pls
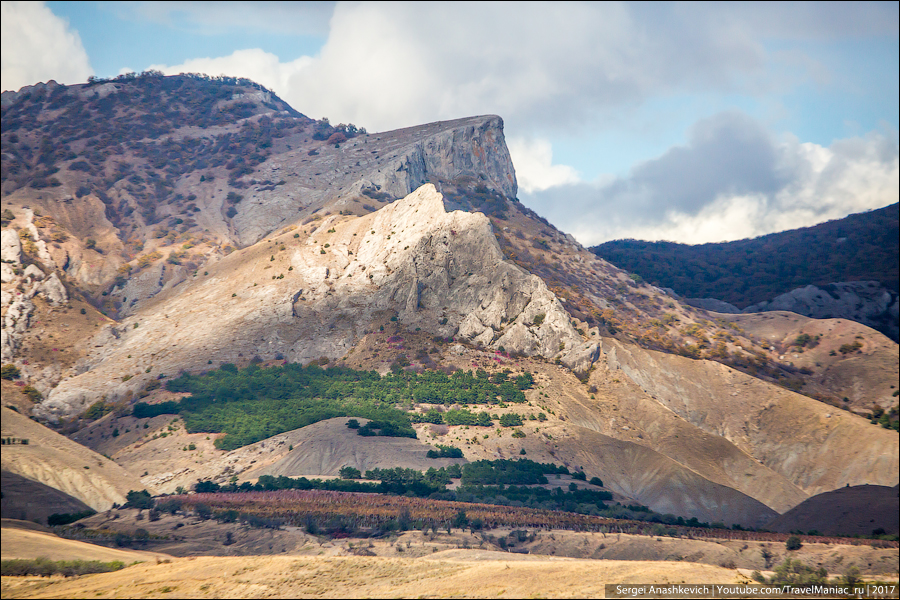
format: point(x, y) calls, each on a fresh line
point(386, 165)
point(10, 247)
point(18, 304)
point(412, 261)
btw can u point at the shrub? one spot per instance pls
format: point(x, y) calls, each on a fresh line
point(33, 394)
point(794, 572)
point(45, 568)
point(793, 543)
point(445, 452)
point(66, 518)
point(9, 371)
point(848, 348)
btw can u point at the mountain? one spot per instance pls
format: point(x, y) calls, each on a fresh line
point(157, 229)
point(847, 511)
point(847, 268)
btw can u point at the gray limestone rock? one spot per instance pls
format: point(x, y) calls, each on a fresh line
point(53, 290)
point(7, 273)
point(10, 247)
point(34, 273)
point(412, 262)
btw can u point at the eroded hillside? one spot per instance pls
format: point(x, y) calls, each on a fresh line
point(236, 230)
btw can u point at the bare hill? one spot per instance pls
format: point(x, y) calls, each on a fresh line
point(848, 511)
point(815, 446)
point(24, 543)
point(29, 500)
point(324, 447)
point(56, 461)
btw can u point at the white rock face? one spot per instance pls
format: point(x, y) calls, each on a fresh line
point(10, 247)
point(20, 307)
point(33, 273)
point(411, 260)
point(7, 274)
point(15, 323)
point(42, 251)
point(53, 290)
point(394, 163)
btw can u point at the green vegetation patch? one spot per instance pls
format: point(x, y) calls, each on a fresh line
point(44, 567)
point(252, 404)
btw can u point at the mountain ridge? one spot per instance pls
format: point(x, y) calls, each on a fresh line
point(249, 234)
point(842, 268)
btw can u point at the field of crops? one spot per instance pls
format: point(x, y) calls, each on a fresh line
point(347, 512)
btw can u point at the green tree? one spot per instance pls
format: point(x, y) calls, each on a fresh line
point(851, 577)
point(348, 472)
point(793, 543)
point(138, 499)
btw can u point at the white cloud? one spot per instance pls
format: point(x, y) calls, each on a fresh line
point(732, 181)
point(573, 68)
point(535, 170)
point(561, 67)
point(390, 65)
point(262, 67)
point(39, 46)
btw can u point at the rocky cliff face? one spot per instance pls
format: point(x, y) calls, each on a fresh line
point(22, 284)
point(200, 257)
point(411, 262)
point(369, 169)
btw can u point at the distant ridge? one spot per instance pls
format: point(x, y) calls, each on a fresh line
point(860, 247)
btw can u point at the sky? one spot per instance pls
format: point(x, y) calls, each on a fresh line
point(688, 122)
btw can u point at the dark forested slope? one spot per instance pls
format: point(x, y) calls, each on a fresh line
point(860, 247)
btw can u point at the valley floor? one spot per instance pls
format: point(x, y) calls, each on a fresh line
point(546, 563)
point(451, 573)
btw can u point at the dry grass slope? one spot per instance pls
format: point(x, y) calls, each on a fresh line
point(461, 574)
point(60, 463)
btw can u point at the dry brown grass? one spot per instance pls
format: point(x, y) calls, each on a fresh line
point(23, 543)
point(463, 574)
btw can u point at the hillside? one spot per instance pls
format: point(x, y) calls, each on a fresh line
point(58, 462)
point(854, 257)
point(218, 235)
point(856, 510)
point(859, 247)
